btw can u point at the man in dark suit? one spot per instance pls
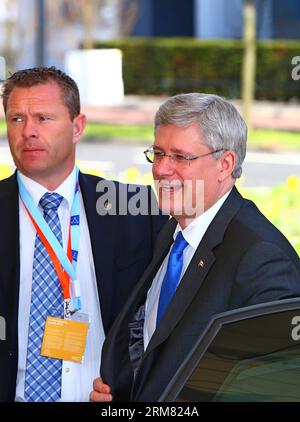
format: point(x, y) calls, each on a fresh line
point(109, 249)
point(218, 252)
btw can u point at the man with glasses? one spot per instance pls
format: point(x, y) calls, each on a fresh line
point(217, 253)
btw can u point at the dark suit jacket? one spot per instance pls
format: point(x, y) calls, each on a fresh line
point(122, 248)
point(242, 260)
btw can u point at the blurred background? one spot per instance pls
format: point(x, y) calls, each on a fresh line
point(127, 56)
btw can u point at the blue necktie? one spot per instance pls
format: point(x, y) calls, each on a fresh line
point(171, 279)
point(43, 375)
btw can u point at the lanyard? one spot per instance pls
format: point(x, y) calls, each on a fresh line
point(64, 263)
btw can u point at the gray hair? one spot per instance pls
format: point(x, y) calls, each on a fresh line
point(219, 122)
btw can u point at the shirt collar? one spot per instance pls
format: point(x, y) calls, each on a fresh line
point(195, 231)
point(66, 189)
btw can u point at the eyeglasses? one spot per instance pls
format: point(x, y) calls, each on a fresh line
point(155, 156)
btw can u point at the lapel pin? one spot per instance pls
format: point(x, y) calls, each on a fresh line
point(201, 263)
point(107, 206)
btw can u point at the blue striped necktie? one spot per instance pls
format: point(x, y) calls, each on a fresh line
point(43, 375)
point(172, 276)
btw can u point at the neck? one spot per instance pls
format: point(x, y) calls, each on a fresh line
point(184, 221)
point(51, 182)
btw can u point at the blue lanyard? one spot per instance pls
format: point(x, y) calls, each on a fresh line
point(69, 267)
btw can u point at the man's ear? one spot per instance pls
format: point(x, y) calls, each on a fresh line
point(78, 127)
point(227, 163)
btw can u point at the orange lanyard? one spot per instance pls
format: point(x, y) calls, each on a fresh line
point(62, 275)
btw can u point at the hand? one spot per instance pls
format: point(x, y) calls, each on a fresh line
point(101, 392)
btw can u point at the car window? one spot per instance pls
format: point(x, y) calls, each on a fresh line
point(254, 358)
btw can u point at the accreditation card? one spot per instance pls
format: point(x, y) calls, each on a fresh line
point(64, 339)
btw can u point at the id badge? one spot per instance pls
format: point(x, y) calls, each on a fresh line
point(65, 338)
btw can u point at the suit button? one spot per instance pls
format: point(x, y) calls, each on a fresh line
point(10, 354)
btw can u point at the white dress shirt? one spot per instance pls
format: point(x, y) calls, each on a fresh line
point(193, 234)
point(77, 379)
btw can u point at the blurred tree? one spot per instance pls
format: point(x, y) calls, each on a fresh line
point(88, 13)
point(8, 49)
point(40, 32)
point(249, 60)
point(126, 11)
point(128, 14)
point(68, 25)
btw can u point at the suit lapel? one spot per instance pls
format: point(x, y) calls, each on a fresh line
point(138, 296)
point(162, 246)
point(191, 282)
point(10, 256)
point(100, 227)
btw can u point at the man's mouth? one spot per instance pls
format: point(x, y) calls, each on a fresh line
point(32, 149)
point(169, 187)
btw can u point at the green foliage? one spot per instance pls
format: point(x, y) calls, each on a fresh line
point(142, 133)
point(273, 73)
point(268, 140)
point(168, 66)
point(2, 127)
point(274, 140)
point(281, 205)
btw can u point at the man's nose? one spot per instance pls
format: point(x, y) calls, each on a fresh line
point(165, 166)
point(30, 129)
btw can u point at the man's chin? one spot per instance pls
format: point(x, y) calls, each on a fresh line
point(32, 171)
point(171, 209)
point(179, 211)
